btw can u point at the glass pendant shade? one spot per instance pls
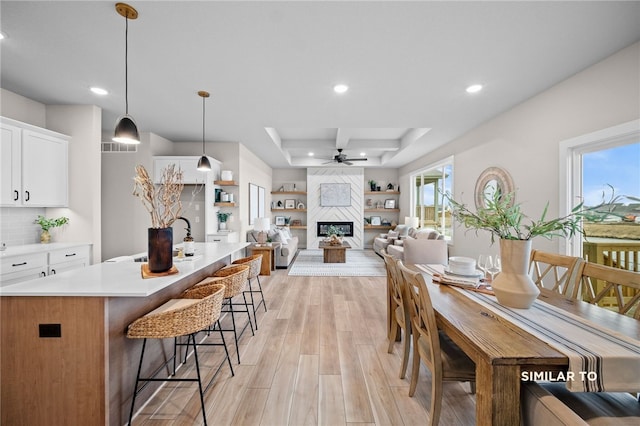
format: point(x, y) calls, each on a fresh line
point(126, 131)
point(203, 164)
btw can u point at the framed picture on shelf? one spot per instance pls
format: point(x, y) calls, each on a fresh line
point(289, 204)
point(376, 220)
point(296, 222)
point(280, 221)
point(390, 204)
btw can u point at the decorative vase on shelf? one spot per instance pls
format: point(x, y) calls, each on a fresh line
point(222, 226)
point(513, 286)
point(160, 249)
point(45, 237)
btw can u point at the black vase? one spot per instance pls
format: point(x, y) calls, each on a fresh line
point(160, 249)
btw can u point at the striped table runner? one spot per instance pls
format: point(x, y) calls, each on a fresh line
point(600, 359)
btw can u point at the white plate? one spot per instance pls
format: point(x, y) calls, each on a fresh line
point(477, 274)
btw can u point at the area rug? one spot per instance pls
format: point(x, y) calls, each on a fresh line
point(360, 263)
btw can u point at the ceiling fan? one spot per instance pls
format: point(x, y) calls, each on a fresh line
point(341, 158)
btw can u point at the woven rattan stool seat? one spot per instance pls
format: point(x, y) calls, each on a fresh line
point(177, 317)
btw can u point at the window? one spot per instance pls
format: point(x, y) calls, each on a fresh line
point(426, 198)
point(590, 166)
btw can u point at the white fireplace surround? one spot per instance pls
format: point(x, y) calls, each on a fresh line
point(354, 176)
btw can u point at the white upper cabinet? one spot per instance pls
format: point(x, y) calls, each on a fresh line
point(10, 185)
point(188, 165)
point(35, 167)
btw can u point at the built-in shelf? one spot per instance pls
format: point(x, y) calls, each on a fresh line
point(382, 210)
point(381, 192)
point(224, 204)
point(378, 227)
point(225, 182)
point(288, 210)
point(289, 192)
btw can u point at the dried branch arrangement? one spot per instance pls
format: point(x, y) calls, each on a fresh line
point(162, 202)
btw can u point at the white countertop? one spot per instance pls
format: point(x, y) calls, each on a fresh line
point(118, 279)
point(37, 248)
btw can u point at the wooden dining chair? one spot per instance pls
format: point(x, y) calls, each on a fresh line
point(445, 360)
point(399, 311)
point(618, 288)
point(556, 272)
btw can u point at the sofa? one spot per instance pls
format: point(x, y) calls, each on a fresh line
point(286, 251)
point(393, 241)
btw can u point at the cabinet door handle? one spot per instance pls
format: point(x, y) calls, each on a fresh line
point(69, 255)
point(53, 272)
point(28, 195)
point(19, 264)
point(17, 195)
point(43, 274)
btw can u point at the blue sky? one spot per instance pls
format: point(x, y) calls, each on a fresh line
point(618, 167)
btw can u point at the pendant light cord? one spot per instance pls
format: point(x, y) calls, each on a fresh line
point(126, 65)
point(203, 98)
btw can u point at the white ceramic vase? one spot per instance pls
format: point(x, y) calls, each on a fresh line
point(222, 226)
point(513, 286)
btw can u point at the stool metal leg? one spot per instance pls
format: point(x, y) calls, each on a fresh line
point(195, 356)
point(226, 351)
point(253, 305)
point(135, 389)
point(264, 304)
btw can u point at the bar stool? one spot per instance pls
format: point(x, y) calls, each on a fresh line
point(234, 278)
point(254, 262)
point(176, 318)
point(200, 292)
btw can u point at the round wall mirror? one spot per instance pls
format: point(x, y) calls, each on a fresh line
point(490, 181)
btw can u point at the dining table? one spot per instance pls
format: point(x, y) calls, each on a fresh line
point(505, 354)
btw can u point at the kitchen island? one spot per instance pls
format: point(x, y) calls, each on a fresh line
point(65, 358)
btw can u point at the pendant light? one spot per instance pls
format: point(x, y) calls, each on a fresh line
point(203, 164)
point(126, 130)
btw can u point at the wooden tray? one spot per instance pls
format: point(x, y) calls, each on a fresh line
point(146, 273)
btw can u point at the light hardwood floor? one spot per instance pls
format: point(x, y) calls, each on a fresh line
point(319, 357)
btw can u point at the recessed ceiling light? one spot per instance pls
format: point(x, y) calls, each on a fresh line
point(362, 154)
point(98, 91)
point(2, 36)
point(310, 154)
point(340, 88)
point(474, 88)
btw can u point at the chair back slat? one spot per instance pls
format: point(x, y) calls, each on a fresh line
point(555, 272)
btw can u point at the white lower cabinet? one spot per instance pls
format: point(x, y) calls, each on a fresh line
point(225, 237)
point(26, 267)
point(22, 268)
point(68, 259)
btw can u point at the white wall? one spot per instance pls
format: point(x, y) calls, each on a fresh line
point(525, 140)
point(83, 123)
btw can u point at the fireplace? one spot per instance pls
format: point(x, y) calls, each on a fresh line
point(345, 227)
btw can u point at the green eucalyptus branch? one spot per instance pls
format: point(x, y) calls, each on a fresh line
point(504, 219)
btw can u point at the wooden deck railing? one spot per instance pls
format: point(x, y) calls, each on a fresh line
point(622, 254)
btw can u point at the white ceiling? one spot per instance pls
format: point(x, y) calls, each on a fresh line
point(271, 66)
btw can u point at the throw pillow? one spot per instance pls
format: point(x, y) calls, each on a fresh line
point(402, 230)
point(392, 235)
point(283, 237)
